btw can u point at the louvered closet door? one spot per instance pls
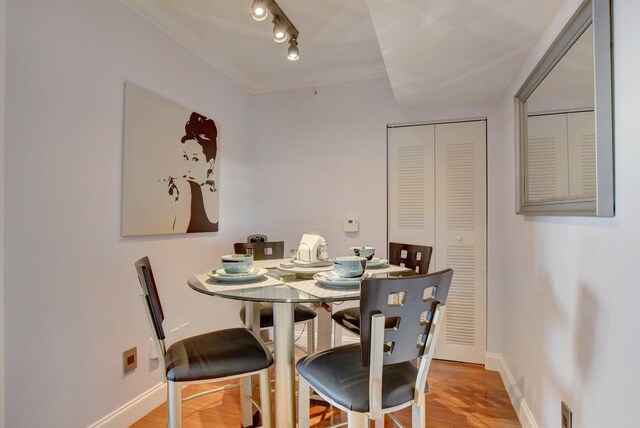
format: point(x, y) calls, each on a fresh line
point(581, 142)
point(411, 185)
point(546, 161)
point(461, 237)
point(437, 197)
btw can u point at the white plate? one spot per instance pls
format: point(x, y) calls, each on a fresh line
point(332, 280)
point(238, 277)
point(221, 272)
point(376, 263)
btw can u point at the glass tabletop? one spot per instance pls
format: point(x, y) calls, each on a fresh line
point(275, 293)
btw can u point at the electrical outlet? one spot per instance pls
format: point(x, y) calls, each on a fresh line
point(130, 359)
point(566, 416)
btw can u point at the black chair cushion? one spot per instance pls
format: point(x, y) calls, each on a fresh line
point(338, 374)
point(215, 355)
point(300, 314)
point(350, 319)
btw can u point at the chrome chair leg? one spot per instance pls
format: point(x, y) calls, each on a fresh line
point(337, 335)
point(265, 398)
point(304, 402)
point(418, 416)
point(311, 337)
point(174, 403)
point(357, 420)
point(245, 401)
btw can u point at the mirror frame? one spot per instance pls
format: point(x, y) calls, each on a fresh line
point(598, 14)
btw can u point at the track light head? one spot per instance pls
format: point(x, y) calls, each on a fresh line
point(259, 10)
point(283, 28)
point(280, 34)
point(293, 53)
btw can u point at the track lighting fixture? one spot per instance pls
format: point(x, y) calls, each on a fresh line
point(293, 54)
point(283, 29)
point(258, 10)
point(279, 31)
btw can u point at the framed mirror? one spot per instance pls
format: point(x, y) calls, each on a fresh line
point(564, 122)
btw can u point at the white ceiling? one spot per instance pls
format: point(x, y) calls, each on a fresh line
point(434, 52)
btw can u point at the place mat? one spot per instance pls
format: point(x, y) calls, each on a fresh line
point(311, 286)
point(388, 269)
point(316, 289)
point(213, 285)
point(301, 270)
point(269, 263)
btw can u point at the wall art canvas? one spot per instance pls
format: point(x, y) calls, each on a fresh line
point(171, 169)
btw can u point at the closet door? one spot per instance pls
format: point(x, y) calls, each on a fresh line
point(547, 160)
point(581, 142)
point(460, 166)
point(411, 185)
point(561, 156)
point(437, 197)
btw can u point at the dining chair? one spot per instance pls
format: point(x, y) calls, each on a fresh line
point(216, 356)
point(301, 314)
point(268, 250)
point(414, 257)
point(378, 376)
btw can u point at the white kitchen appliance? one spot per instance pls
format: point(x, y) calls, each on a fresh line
point(312, 250)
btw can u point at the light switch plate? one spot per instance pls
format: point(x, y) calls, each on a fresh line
point(350, 225)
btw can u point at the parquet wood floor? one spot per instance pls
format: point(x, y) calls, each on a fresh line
point(460, 396)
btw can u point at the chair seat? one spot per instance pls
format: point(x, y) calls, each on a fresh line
point(350, 319)
point(300, 314)
point(338, 374)
point(216, 355)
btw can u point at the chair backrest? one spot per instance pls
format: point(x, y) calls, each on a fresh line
point(415, 257)
point(150, 292)
point(261, 250)
point(411, 303)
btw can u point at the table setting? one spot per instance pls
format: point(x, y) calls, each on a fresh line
point(315, 273)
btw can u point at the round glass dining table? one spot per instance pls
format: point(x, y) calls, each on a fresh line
point(284, 295)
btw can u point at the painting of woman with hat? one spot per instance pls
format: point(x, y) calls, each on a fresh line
point(199, 155)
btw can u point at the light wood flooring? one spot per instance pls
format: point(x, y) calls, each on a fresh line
point(460, 395)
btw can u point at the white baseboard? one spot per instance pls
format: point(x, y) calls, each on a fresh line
point(495, 362)
point(135, 409)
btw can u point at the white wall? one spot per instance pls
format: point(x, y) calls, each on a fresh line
point(2, 90)
point(72, 304)
point(570, 284)
point(322, 158)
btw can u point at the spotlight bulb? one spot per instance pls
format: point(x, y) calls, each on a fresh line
point(258, 10)
point(293, 53)
point(279, 31)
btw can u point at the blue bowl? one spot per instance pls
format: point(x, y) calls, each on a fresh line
point(349, 266)
point(237, 263)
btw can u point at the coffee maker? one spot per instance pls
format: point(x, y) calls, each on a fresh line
point(312, 250)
